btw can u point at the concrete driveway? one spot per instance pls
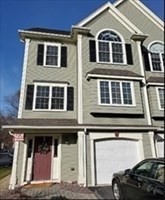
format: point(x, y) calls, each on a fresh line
point(102, 192)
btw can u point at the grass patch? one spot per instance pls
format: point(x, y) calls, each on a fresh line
point(4, 171)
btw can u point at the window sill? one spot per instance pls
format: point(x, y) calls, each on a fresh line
point(44, 110)
point(51, 66)
point(107, 63)
point(111, 105)
point(157, 71)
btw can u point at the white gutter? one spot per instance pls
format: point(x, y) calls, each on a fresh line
point(113, 77)
point(79, 127)
point(159, 84)
point(43, 33)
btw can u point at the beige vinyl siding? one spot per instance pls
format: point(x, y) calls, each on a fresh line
point(159, 123)
point(90, 94)
point(154, 74)
point(107, 21)
point(145, 25)
point(62, 74)
point(154, 104)
point(141, 21)
point(90, 104)
point(147, 146)
point(95, 107)
point(69, 158)
point(154, 107)
point(89, 173)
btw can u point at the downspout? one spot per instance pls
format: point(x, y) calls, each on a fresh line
point(13, 178)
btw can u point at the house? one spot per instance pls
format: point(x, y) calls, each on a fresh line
point(92, 98)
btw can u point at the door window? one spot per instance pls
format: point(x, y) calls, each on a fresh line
point(144, 169)
point(159, 172)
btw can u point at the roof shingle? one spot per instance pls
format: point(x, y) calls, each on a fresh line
point(154, 79)
point(113, 72)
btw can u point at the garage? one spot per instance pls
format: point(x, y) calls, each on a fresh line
point(113, 155)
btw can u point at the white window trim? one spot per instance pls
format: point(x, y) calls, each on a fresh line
point(110, 48)
point(50, 85)
point(122, 100)
point(158, 97)
point(59, 54)
point(150, 60)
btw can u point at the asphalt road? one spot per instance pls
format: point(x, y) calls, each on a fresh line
point(102, 192)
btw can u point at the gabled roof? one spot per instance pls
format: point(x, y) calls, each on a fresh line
point(146, 11)
point(116, 13)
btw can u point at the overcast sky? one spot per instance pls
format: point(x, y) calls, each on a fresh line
point(53, 14)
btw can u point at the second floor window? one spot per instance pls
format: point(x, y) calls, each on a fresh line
point(156, 57)
point(110, 47)
point(52, 55)
point(160, 92)
point(116, 93)
point(50, 97)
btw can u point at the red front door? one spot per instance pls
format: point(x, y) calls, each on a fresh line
point(42, 158)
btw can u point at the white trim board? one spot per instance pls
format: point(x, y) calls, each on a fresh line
point(80, 127)
point(41, 33)
point(22, 91)
point(113, 77)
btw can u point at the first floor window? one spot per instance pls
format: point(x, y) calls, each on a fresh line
point(161, 97)
point(51, 97)
point(116, 93)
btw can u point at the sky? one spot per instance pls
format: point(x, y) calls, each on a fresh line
point(53, 14)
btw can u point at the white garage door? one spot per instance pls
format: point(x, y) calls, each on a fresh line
point(112, 156)
point(160, 148)
point(160, 145)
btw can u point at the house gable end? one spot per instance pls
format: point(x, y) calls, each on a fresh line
point(142, 8)
point(108, 7)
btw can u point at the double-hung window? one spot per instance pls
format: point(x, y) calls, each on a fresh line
point(50, 97)
point(160, 94)
point(156, 56)
point(52, 55)
point(110, 47)
point(115, 93)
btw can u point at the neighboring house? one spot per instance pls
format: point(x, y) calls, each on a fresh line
point(92, 99)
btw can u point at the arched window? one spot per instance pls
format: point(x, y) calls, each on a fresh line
point(110, 47)
point(156, 56)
